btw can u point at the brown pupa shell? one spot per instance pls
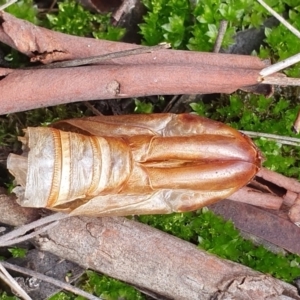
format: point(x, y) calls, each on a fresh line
point(135, 164)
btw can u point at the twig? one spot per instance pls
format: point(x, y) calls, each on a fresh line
point(278, 138)
point(287, 62)
point(25, 228)
point(289, 184)
point(122, 9)
point(257, 198)
point(7, 278)
point(171, 103)
point(220, 36)
point(101, 58)
point(52, 6)
point(280, 81)
point(65, 286)
point(9, 3)
point(280, 18)
point(95, 111)
point(280, 66)
point(28, 236)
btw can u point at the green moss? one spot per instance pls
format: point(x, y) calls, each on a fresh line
point(195, 26)
point(23, 9)
point(18, 252)
point(110, 289)
point(4, 296)
point(73, 19)
point(104, 287)
point(281, 43)
point(143, 107)
point(213, 234)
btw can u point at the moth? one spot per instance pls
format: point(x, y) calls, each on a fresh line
point(132, 164)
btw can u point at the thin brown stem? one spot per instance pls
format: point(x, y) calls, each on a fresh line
point(51, 280)
point(28, 236)
point(101, 58)
point(95, 111)
point(25, 228)
point(220, 36)
point(280, 80)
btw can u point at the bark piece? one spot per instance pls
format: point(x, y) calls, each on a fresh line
point(148, 258)
point(47, 46)
point(294, 212)
point(162, 72)
point(257, 198)
point(272, 228)
point(289, 198)
point(290, 184)
point(250, 287)
point(15, 215)
point(28, 89)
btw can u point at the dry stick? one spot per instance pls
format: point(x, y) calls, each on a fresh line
point(279, 138)
point(95, 111)
point(101, 58)
point(52, 6)
point(280, 18)
point(7, 278)
point(28, 236)
point(25, 228)
point(220, 36)
point(171, 103)
point(257, 198)
point(280, 81)
point(289, 61)
point(125, 6)
point(280, 65)
point(288, 183)
point(9, 3)
point(60, 284)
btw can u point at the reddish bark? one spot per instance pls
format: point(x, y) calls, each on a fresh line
point(274, 228)
point(290, 184)
point(162, 72)
point(28, 89)
point(13, 214)
point(45, 45)
point(294, 212)
point(257, 198)
point(289, 198)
